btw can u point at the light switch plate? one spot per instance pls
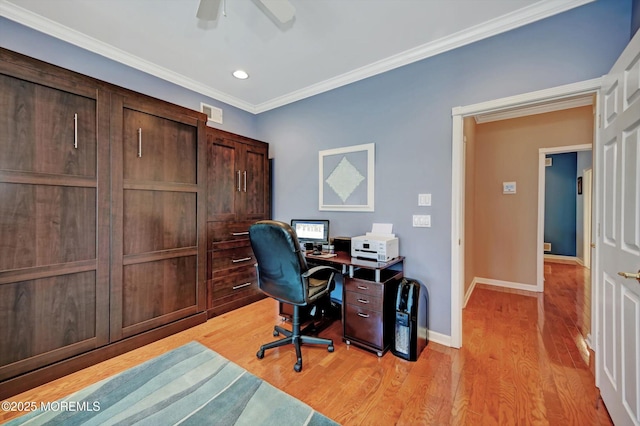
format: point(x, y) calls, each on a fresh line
point(421, 221)
point(508, 187)
point(424, 199)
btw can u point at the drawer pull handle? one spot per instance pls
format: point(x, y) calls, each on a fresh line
point(140, 142)
point(363, 301)
point(236, 287)
point(363, 287)
point(244, 259)
point(237, 234)
point(75, 131)
point(360, 314)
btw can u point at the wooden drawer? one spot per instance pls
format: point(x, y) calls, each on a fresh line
point(364, 287)
point(227, 231)
point(364, 300)
point(239, 284)
point(231, 258)
point(364, 325)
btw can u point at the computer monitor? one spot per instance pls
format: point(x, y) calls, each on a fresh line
point(314, 231)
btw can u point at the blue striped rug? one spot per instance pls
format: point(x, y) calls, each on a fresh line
point(190, 385)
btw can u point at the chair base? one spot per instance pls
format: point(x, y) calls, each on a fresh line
point(296, 338)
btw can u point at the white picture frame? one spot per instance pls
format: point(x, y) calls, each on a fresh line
point(346, 179)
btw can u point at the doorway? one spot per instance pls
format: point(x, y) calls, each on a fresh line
point(562, 97)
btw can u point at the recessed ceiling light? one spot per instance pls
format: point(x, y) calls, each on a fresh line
point(240, 74)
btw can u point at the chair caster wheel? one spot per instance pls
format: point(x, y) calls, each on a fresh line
point(275, 333)
point(260, 354)
point(330, 348)
point(297, 367)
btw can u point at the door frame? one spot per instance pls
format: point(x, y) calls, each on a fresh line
point(531, 99)
point(587, 215)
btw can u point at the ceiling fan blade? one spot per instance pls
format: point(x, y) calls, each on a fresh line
point(208, 10)
point(280, 10)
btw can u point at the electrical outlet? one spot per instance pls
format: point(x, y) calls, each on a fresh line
point(421, 221)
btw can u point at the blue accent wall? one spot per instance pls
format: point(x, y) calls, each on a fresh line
point(406, 112)
point(560, 204)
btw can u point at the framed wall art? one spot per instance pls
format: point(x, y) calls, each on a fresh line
point(347, 178)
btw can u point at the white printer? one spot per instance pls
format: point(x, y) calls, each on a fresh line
point(379, 245)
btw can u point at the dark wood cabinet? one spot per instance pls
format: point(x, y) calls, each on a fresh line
point(368, 306)
point(54, 224)
point(102, 221)
point(157, 216)
point(238, 195)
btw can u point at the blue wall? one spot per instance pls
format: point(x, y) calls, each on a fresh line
point(405, 112)
point(560, 204)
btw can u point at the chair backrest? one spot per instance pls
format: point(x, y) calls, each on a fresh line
point(280, 263)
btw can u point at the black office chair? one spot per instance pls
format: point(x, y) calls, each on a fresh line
point(283, 274)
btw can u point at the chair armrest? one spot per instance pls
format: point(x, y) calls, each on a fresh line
point(319, 269)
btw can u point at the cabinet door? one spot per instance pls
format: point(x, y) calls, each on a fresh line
point(237, 178)
point(53, 219)
point(256, 182)
point(157, 259)
point(224, 178)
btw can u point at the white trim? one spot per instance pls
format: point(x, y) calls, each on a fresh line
point(467, 295)
point(589, 341)
point(439, 338)
point(457, 190)
point(535, 109)
point(508, 284)
point(507, 22)
point(531, 98)
point(457, 229)
point(561, 258)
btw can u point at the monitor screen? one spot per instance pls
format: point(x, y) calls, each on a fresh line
point(311, 230)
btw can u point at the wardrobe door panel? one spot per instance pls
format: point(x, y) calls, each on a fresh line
point(46, 225)
point(45, 320)
point(159, 220)
point(158, 149)
point(154, 289)
point(47, 130)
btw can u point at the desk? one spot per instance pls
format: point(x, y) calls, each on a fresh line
point(368, 299)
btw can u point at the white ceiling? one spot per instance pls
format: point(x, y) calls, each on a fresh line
point(331, 42)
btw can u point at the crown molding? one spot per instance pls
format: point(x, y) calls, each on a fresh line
point(521, 17)
point(510, 21)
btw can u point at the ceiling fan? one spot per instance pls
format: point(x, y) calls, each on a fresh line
point(281, 12)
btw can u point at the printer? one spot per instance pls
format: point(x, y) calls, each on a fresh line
point(379, 245)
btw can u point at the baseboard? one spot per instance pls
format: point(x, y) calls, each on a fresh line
point(29, 380)
point(506, 284)
point(467, 295)
point(556, 258)
point(439, 338)
point(579, 261)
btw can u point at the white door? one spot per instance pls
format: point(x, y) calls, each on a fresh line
point(586, 217)
point(618, 239)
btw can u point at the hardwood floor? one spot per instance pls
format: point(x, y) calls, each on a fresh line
point(524, 361)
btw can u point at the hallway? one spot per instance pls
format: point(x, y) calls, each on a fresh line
point(525, 355)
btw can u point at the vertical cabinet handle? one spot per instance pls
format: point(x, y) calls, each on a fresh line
point(75, 131)
point(140, 142)
point(245, 181)
point(238, 180)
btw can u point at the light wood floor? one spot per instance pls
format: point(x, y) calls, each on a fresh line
point(524, 361)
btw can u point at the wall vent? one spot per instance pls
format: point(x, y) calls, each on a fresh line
point(214, 114)
point(548, 161)
point(547, 246)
